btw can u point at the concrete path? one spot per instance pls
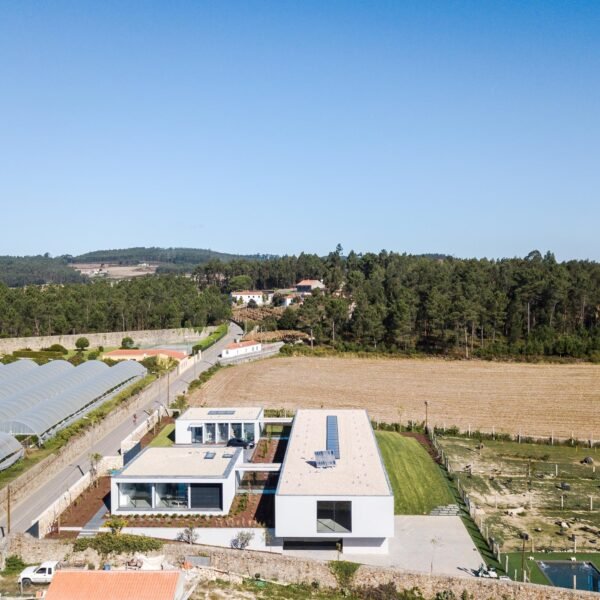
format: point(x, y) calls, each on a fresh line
point(28, 509)
point(438, 545)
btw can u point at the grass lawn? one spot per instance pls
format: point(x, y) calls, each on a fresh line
point(418, 482)
point(165, 438)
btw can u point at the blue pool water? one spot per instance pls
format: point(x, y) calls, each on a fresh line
point(560, 573)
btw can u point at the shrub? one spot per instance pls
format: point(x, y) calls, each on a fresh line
point(343, 571)
point(124, 543)
point(189, 535)
point(93, 355)
point(242, 540)
point(82, 343)
point(12, 565)
point(115, 524)
point(57, 348)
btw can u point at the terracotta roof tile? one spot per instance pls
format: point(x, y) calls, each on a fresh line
point(114, 585)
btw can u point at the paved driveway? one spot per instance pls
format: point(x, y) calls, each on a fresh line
point(426, 544)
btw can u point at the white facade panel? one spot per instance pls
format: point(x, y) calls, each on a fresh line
point(296, 517)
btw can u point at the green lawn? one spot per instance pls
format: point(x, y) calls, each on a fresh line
point(164, 438)
point(418, 482)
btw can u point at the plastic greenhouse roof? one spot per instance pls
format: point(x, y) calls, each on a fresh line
point(19, 402)
point(10, 450)
point(16, 369)
point(33, 377)
point(59, 410)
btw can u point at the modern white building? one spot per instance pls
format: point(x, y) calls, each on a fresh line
point(259, 296)
point(333, 489)
point(202, 425)
point(240, 349)
point(179, 479)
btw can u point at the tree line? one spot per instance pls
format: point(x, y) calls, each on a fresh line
point(159, 302)
point(531, 306)
point(17, 271)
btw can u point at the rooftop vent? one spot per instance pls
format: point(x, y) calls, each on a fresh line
point(324, 459)
point(333, 439)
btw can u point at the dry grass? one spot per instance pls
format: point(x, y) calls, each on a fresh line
point(533, 399)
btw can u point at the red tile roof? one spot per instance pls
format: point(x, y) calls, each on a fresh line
point(114, 585)
point(310, 282)
point(235, 345)
point(148, 352)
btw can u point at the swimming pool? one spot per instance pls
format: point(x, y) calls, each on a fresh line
point(561, 572)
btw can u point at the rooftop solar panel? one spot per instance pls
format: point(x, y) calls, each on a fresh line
point(221, 412)
point(324, 459)
point(333, 440)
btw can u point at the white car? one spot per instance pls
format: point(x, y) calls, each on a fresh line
point(40, 574)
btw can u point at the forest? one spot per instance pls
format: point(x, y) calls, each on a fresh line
point(143, 303)
point(531, 306)
point(18, 271)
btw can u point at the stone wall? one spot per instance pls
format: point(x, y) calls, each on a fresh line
point(146, 337)
point(286, 569)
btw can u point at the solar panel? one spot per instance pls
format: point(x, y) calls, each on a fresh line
point(324, 459)
point(221, 412)
point(333, 440)
point(209, 455)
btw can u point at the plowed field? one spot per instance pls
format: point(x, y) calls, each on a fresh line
point(535, 400)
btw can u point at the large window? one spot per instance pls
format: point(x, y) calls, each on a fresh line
point(334, 517)
point(135, 495)
point(236, 430)
point(249, 432)
point(223, 431)
point(172, 495)
point(209, 433)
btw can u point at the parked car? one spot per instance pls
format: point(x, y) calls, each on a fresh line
point(41, 574)
point(239, 443)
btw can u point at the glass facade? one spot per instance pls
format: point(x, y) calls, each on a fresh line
point(223, 432)
point(334, 517)
point(210, 433)
point(236, 430)
point(172, 495)
point(249, 432)
point(135, 495)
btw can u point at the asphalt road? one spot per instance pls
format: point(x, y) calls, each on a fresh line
point(23, 513)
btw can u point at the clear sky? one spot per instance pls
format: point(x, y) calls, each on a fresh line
point(467, 128)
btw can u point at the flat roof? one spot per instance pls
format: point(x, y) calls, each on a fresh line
point(358, 472)
point(221, 413)
point(182, 461)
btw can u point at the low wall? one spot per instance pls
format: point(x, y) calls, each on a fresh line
point(287, 569)
point(146, 337)
point(51, 514)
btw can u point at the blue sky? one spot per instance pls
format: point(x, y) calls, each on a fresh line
point(468, 128)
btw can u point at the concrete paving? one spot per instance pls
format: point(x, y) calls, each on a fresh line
point(427, 544)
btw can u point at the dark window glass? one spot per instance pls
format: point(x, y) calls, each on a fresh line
point(334, 517)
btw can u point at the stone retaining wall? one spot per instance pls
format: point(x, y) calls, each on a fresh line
point(286, 569)
point(108, 339)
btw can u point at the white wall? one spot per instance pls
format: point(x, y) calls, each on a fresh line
point(296, 516)
point(241, 351)
point(215, 536)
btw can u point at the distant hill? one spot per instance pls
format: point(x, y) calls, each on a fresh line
point(18, 271)
point(172, 256)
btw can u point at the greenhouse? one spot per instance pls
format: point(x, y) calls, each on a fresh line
point(10, 450)
point(44, 409)
point(15, 369)
point(37, 376)
point(50, 386)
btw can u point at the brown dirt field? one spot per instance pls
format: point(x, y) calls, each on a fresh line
point(535, 400)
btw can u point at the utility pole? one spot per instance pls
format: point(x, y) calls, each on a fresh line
point(426, 416)
point(7, 509)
